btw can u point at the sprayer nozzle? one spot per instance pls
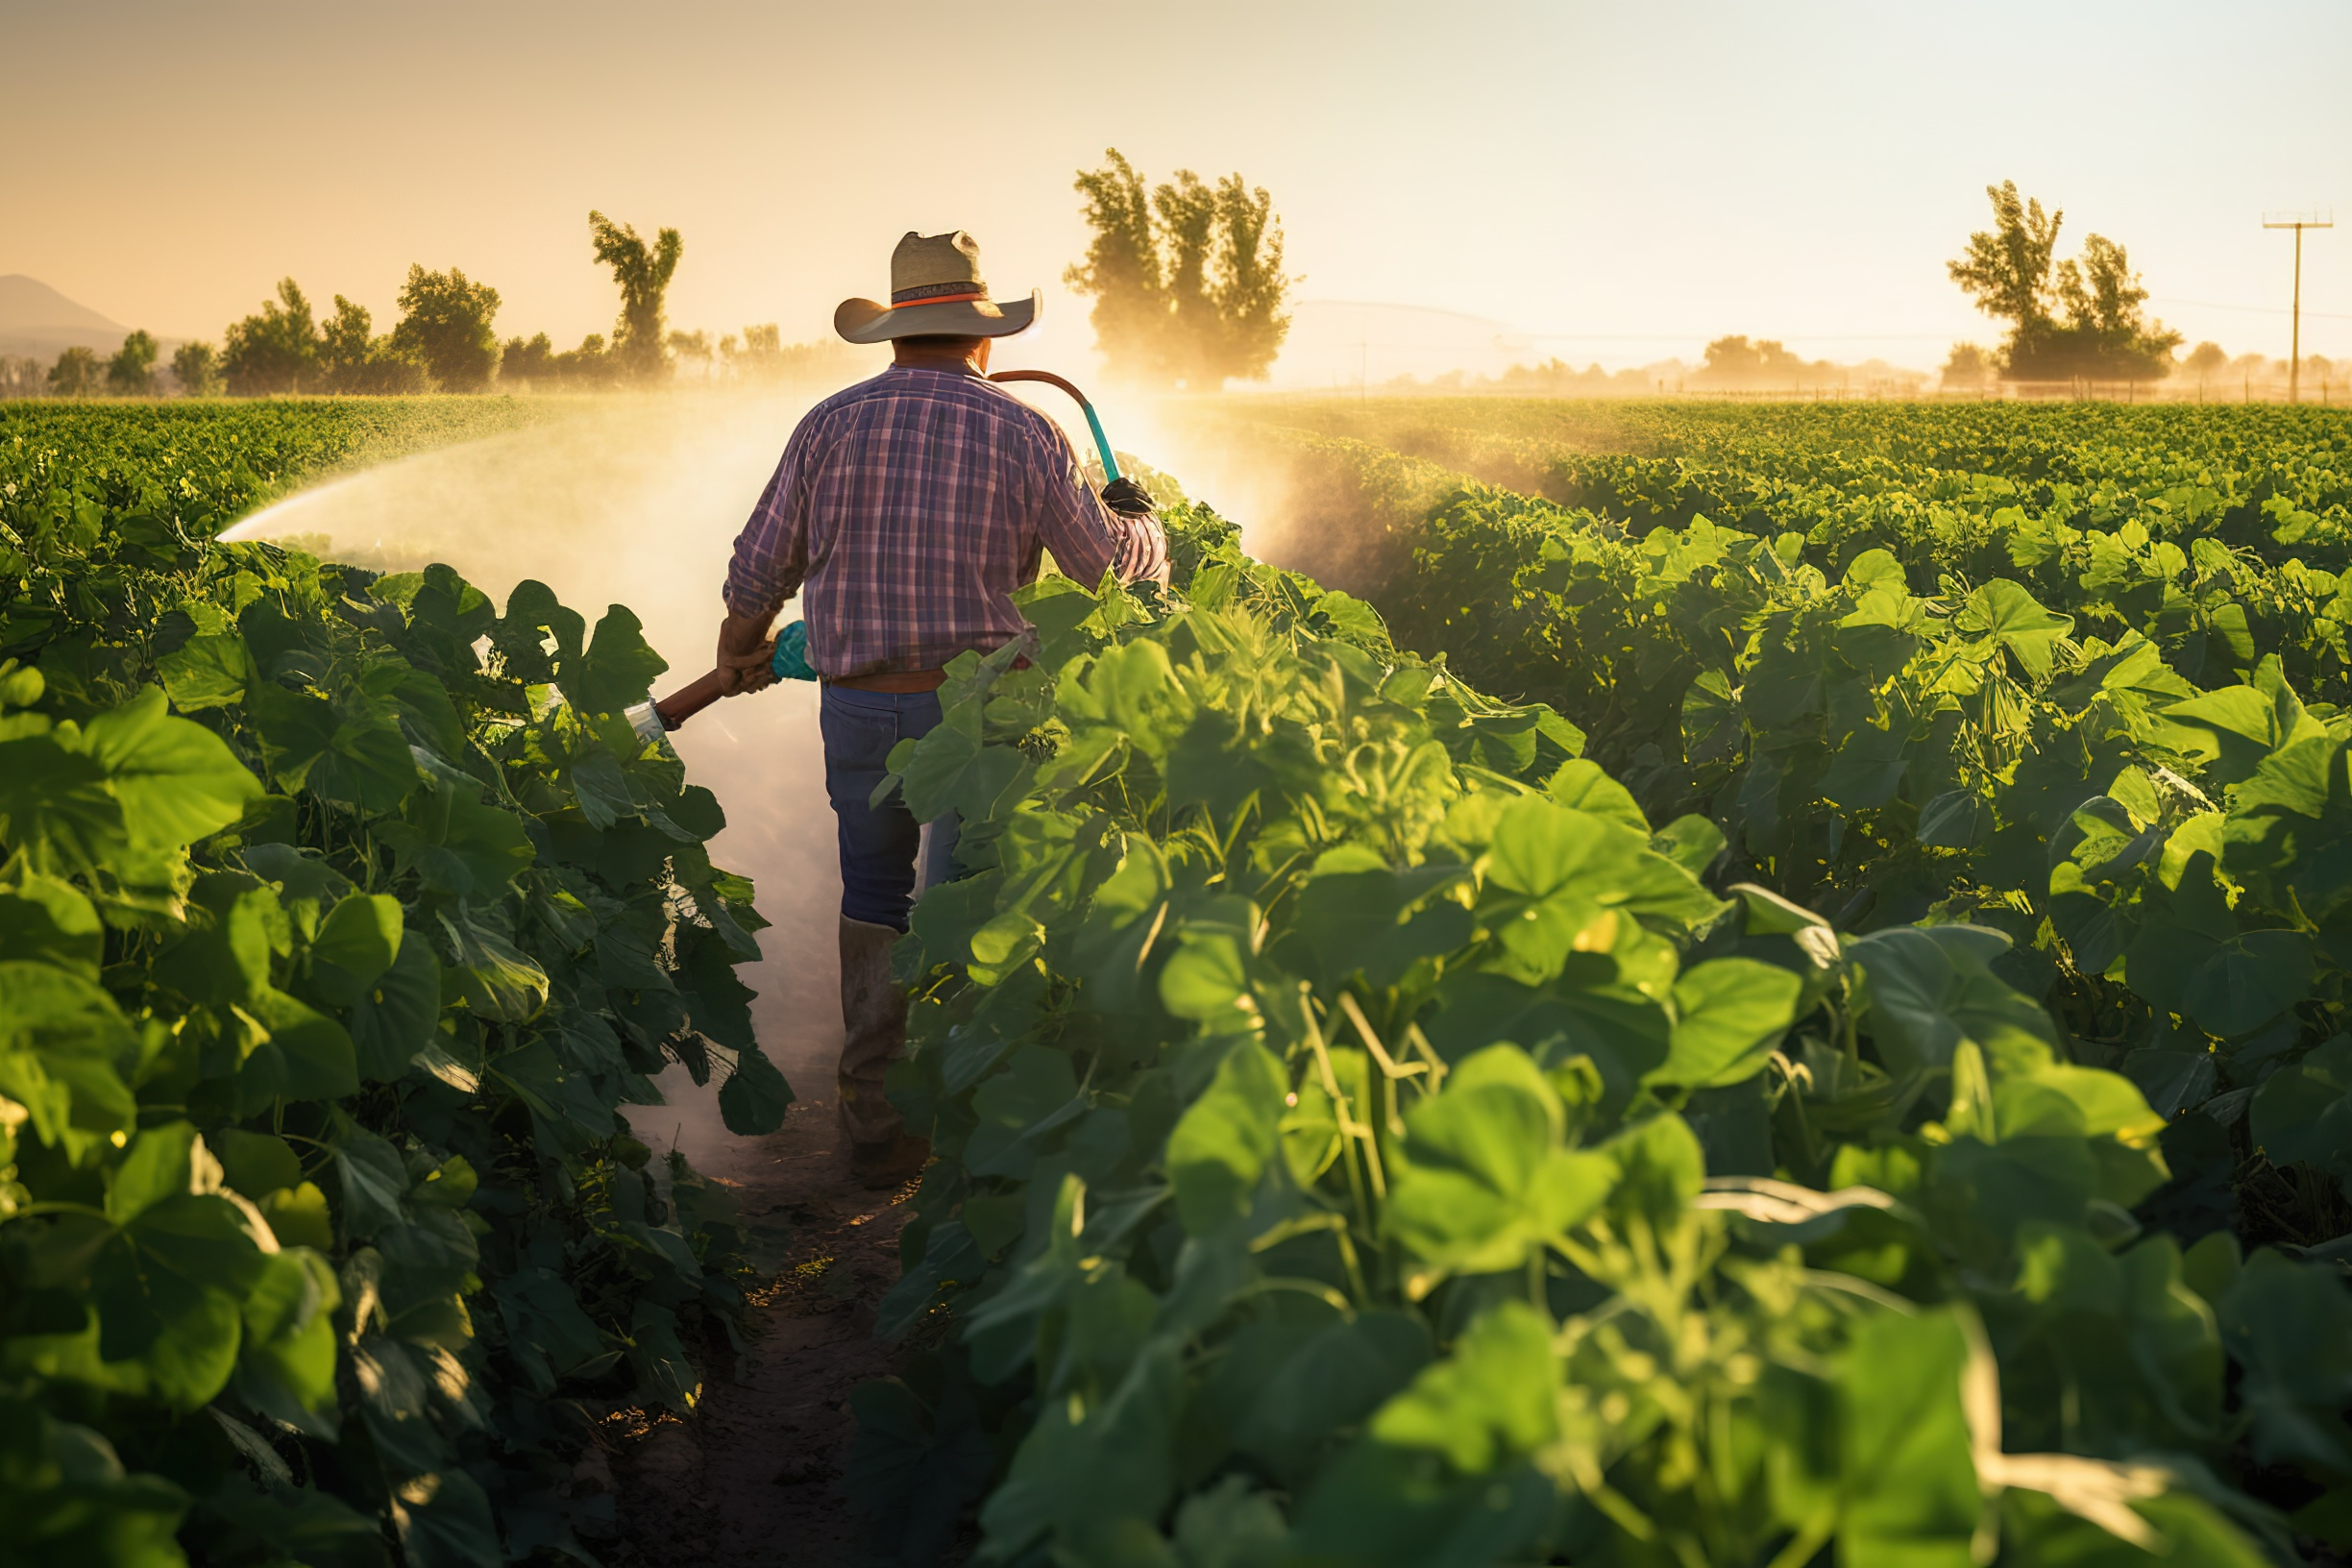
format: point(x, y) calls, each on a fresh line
point(645, 721)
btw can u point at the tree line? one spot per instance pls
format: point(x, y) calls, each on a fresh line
point(445, 340)
point(1186, 275)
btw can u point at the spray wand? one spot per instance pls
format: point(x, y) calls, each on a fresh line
point(653, 720)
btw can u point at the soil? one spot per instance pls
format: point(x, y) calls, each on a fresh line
point(753, 1475)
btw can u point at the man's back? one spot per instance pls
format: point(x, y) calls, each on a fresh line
point(908, 509)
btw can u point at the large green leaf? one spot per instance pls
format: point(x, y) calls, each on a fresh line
point(1912, 1495)
point(68, 1499)
point(1491, 1399)
point(2289, 1326)
point(2302, 1113)
point(456, 842)
point(2006, 615)
point(209, 671)
point(287, 1369)
point(552, 1337)
point(1731, 1014)
point(1082, 1466)
point(393, 1017)
point(534, 620)
point(496, 979)
point(56, 808)
point(309, 742)
point(44, 919)
point(1379, 922)
point(1484, 1176)
point(299, 1054)
point(618, 668)
point(357, 942)
point(1220, 1148)
point(755, 1096)
point(177, 781)
point(1566, 874)
point(1932, 986)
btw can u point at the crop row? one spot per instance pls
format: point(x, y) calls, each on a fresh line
point(342, 919)
point(1372, 1130)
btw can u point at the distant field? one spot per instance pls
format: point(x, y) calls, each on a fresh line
point(205, 463)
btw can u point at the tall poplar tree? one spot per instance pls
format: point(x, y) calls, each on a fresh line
point(640, 349)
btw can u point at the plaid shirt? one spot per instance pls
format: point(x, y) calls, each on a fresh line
point(908, 509)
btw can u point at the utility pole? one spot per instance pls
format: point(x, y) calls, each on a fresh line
point(2299, 222)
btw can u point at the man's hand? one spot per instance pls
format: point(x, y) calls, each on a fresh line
point(1127, 498)
point(745, 652)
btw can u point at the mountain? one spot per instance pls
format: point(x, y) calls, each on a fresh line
point(37, 320)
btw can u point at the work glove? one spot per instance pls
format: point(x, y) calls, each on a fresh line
point(1127, 498)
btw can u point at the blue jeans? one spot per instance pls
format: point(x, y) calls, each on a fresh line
point(879, 845)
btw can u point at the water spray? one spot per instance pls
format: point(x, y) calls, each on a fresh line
point(789, 655)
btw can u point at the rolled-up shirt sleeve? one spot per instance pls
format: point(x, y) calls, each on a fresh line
point(770, 559)
point(1087, 538)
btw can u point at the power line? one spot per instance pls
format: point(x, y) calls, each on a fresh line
point(2253, 309)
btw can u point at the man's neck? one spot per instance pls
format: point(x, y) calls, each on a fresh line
point(953, 364)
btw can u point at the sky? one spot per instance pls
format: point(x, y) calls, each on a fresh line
point(1617, 182)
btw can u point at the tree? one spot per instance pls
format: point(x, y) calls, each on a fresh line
point(445, 324)
point(197, 369)
point(274, 352)
point(528, 361)
point(343, 346)
point(2008, 269)
point(131, 373)
point(1122, 271)
point(2013, 272)
point(1188, 278)
point(1253, 291)
point(1734, 361)
point(1968, 366)
point(350, 361)
point(762, 355)
point(638, 350)
point(20, 376)
point(75, 375)
point(591, 363)
point(694, 345)
point(2106, 335)
point(2205, 360)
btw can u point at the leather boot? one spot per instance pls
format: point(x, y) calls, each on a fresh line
point(873, 1020)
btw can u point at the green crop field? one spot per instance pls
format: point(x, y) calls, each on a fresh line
point(1750, 986)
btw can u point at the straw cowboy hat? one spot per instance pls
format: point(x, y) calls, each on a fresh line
point(935, 289)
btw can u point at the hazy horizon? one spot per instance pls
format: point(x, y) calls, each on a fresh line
point(1614, 185)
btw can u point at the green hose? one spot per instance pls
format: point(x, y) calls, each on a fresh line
point(1102, 441)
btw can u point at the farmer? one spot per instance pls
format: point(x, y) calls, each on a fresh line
point(906, 510)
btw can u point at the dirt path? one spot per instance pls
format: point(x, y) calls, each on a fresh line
point(754, 1476)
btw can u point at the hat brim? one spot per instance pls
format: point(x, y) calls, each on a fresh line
point(869, 321)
